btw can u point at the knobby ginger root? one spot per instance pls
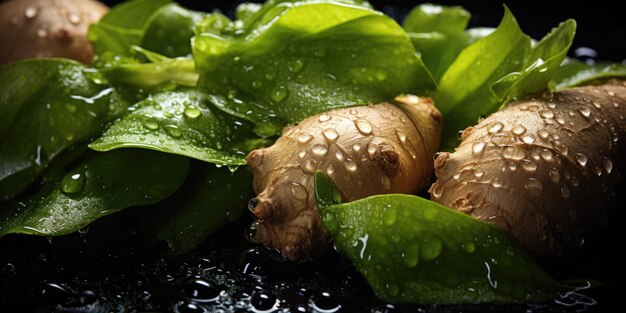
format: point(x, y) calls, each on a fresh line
point(365, 150)
point(47, 28)
point(545, 169)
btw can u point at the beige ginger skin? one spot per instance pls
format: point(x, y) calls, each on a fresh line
point(544, 169)
point(365, 150)
point(47, 28)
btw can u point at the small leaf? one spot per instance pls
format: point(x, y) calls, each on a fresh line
point(169, 30)
point(325, 192)
point(184, 123)
point(412, 250)
point(102, 184)
point(573, 73)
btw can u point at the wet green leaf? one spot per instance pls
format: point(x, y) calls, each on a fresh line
point(123, 26)
point(540, 65)
point(102, 184)
point(573, 73)
point(47, 105)
point(464, 91)
point(293, 60)
point(184, 123)
point(169, 30)
point(209, 199)
point(412, 250)
point(153, 76)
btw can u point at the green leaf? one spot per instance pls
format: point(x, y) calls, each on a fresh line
point(184, 123)
point(464, 92)
point(209, 199)
point(169, 30)
point(303, 58)
point(325, 192)
point(102, 184)
point(540, 66)
point(153, 76)
point(123, 26)
point(412, 250)
point(436, 32)
point(47, 105)
point(573, 73)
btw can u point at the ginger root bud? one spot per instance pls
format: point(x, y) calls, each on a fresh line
point(365, 150)
point(543, 169)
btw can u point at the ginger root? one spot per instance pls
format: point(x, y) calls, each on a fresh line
point(365, 150)
point(544, 169)
point(47, 28)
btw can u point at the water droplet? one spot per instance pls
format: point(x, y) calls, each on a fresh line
point(74, 18)
point(319, 149)
point(581, 159)
point(502, 139)
point(350, 165)
point(608, 165)
point(356, 147)
point(325, 302)
point(339, 155)
point(596, 104)
point(513, 153)
point(546, 155)
point(279, 94)
point(528, 139)
point(304, 137)
point(554, 174)
point(512, 166)
point(585, 111)
point(296, 66)
point(478, 173)
point(200, 290)
point(478, 147)
point(560, 147)
point(534, 186)
point(192, 111)
point(151, 125)
point(73, 183)
point(371, 149)
point(54, 294)
point(469, 247)
point(597, 170)
point(302, 153)
point(330, 169)
point(497, 183)
point(31, 11)
point(42, 33)
point(495, 127)
point(354, 112)
point(431, 248)
point(519, 130)
point(437, 190)
point(310, 166)
point(565, 191)
point(365, 127)
point(330, 134)
point(401, 135)
point(410, 256)
point(264, 302)
point(546, 113)
point(529, 165)
point(173, 130)
point(543, 133)
point(325, 118)
point(298, 191)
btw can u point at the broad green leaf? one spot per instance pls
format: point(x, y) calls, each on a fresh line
point(209, 199)
point(573, 73)
point(435, 31)
point(464, 92)
point(540, 65)
point(123, 26)
point(47, 105)
point(169, 30)
point(102, 184)
point(412, 250)
point(184, 123)
point(303, 58)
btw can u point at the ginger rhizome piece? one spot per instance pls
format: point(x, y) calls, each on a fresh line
point(544, 169)
point(364, 150)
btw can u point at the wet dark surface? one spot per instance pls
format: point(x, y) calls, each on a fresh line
point(113, 268)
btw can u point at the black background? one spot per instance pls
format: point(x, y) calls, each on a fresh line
point(104, 271)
